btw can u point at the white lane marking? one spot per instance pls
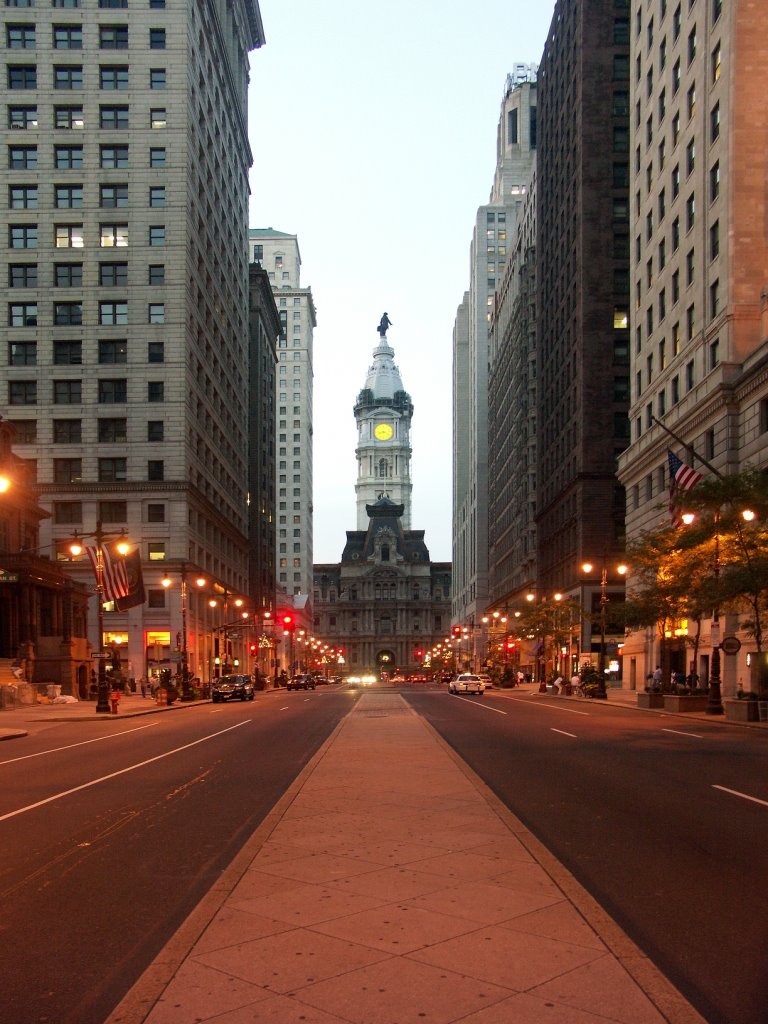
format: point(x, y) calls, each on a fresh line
point(306, 699)
point(677, 732)
point(572, 735)
point(744, 796)
point(480, 704)
point(552, 707)
point(216, 711)
point(82, 743)
point(286, 708)
point(122, 771)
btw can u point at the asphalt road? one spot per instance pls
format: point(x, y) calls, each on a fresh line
point(663, 820)
point(111, 833)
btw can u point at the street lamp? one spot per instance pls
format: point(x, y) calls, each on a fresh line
point(200, 582)
point(621, 569)
point(76, 549)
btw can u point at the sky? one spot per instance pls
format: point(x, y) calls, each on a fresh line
point(373, 133)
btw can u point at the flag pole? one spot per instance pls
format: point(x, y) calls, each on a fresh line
point(102, 701)
point(690, 449)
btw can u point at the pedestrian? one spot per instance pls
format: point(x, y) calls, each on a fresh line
point(143, 685)
point(575, 682)
point(657, 676)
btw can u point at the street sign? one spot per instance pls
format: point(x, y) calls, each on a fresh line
point(8, 577)
point(730, 645)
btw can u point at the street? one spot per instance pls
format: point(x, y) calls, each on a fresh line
point(142, 815)
point(645, 811)
point(113, 830)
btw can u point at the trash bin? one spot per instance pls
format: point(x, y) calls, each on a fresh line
point(162, 696)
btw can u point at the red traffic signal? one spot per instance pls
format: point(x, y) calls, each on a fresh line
point(457, 630)
point(252, 648)
point(287, 622)
point(419, 653)
point(510, 645)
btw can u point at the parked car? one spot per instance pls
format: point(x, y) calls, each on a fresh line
point(301, 683)
point(467, 682)
point(487, 681)
point(232, 688)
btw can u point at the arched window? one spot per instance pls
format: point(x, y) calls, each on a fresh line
point(385, 552)
point(383, 468)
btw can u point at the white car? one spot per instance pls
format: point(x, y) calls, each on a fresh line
point(466, 682)
point(487, 681)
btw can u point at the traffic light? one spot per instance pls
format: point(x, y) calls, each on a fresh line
point(510, 645)
point(419, 653)
point(252, 648)
point(287, 623)
point(457, 630)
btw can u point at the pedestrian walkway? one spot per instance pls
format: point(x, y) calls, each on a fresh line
point(390, 886)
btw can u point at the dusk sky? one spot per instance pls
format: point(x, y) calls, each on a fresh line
point(373, 131)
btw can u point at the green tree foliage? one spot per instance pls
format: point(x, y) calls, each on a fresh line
point(718, 561)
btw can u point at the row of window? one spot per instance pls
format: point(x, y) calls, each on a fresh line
point(156, 5)
point(111, 118)
point(24, 314)
point(69, 352)
point(25, 158)
point(68, 513)
point(109, 431)
point(72, 236)
point(70, 275)
point(108, 470)
point(23, 36)
point(72, 197)
point(70, 392)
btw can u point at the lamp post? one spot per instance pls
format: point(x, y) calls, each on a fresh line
point(76, 549)
point(166, 582)
point(621, 570)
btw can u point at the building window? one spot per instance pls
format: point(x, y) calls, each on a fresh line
point(68, 76)
point(714, 240)
point(113, 351)
point(67, 353)
point(155, 391)
point(68, 197)
point(22, 158)
point(157, 312)
point(112, 470)
point(22, 353)
point(157, 157)
point(22, 76)
point(155, 352)
point(714, 353)
point(155, 431)
point(113, 275)
point(20, 37)
point(68, 158)
point(157, 234)
point(67, 471)
point(111, 157)
point(68, 314)
point(68, 118)
point(155, 513)
point(157, 39)
point(113, 235)
point(111, 392)
point(157, 78)
point(714, 299)
point(158, 118)
point(155, 469)
point(690, 212)
point(714, 181)
point(113, 430)
point(113, 76)
point(67, 37)
point(67, 431)
point(112, 313)
point(67, 513)
point(113, 37)
point(113, 118)
point(68, 236)
point(22, 197)
point(22, 392)
point(22, 275)
point(714, 122)
point(156, 273)
point(113, 511)
point(67, 392)
point(22, 118)
point(157, 196)
point(22, 236)
point(68, 275)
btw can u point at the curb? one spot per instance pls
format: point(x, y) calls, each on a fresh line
point(12, 734)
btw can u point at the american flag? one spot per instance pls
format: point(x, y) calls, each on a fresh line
point(681, 478)
point(114, 575)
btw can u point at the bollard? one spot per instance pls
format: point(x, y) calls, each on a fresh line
point(114, 700)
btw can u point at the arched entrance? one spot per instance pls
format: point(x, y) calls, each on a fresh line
point(385, 661)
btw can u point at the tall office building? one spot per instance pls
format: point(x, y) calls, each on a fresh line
point(516, 141)
point(582, 243)
point(126, 287)
point(278, 253)
point(699, 269)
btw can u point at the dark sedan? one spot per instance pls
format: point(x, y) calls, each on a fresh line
point(232, 688)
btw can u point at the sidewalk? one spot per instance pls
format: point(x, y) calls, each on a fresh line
point(390, 886)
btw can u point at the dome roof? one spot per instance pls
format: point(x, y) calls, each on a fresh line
point(383, 378)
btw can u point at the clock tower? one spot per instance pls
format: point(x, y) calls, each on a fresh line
point(383, 412)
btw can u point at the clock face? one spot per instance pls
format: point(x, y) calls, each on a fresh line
point(383, 431)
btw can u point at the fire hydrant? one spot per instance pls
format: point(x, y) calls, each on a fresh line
point(114, 700)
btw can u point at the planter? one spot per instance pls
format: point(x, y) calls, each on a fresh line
point(650, 700)
point(741, 710)
point(676, 703)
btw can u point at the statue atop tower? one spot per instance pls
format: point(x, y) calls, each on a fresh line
point(384, 323)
